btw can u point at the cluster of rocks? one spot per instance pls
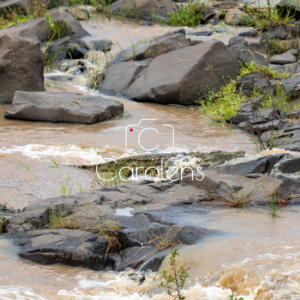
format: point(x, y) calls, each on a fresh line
point(147, 235)
point(22, 73)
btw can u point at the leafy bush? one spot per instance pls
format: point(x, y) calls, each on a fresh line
point(190, 15)
point(224, 104)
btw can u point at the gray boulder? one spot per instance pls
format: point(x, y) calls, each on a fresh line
point(178, 77)
point(21, 67)
point(40, 29)
point(149, 10)
point(290, 68)
point(292, 86)
point(290, 165)
point(163, 44)
point(62, 107)
point(101, 45)
point(239, 46)
point(237, 17)
point(114, 82)
point(284, 58)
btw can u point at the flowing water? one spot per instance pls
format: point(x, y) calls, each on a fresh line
point(255, 255)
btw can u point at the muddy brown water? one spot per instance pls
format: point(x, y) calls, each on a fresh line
point(256, 255)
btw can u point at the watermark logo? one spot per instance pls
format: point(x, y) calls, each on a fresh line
point(135, 132)
point(163, 137)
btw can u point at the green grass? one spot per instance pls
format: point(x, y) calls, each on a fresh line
point(90, 218)
point(274, 205)
point(267, 16)
point(224, 104)
point(190, 15)
point(13, 18)
point(249, 69)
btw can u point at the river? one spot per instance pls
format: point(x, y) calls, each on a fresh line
point(257, 256)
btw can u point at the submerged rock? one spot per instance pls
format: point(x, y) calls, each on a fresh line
point(62, 107)
point(21, 67)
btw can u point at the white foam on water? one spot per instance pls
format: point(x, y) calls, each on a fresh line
point(76, 154)
point(126, 212)
point(8, 292)
point(69, 154)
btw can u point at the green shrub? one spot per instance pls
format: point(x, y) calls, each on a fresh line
point(190, 15)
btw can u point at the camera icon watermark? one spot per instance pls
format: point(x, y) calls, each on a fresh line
point(163, 137)
point(137, 132)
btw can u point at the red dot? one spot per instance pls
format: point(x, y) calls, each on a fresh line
point(131, 129)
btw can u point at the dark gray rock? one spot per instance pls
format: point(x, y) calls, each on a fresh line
point(173, 77)
point(260, 47)
point(66, 48)
point(160, 45)
point(178, 77)
point(248, 56)
point(279, 32)
point(284, 58)
point(149, 10)
point(292, 86)
point(237, 41)
point(263, 165)
point(290, 68)
point(62, 107)
point(290, 166)
point(272, 125)
point(202, 33)
point(64, 246)
point(102, 45)
point(246, 84)
point(21, 67)
point(114, 81)
point(40, 30)
point(295, 114)
point(250, 33)
point(225, 187)
point(237, 17)
point(267, 115)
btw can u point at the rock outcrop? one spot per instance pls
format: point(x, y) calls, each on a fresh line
point(177, 77)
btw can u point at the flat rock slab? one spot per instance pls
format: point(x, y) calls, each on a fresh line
point(62, 107)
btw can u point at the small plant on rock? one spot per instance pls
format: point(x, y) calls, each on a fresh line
point(174, 282)
point(231, 297)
